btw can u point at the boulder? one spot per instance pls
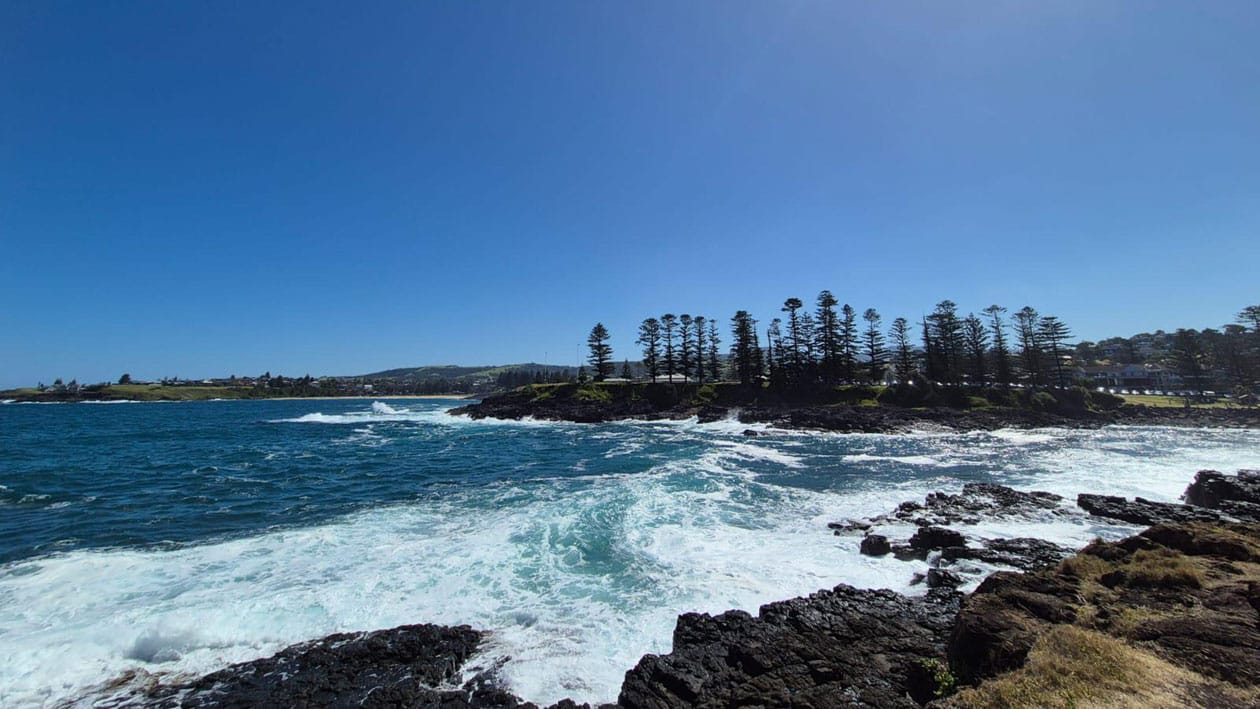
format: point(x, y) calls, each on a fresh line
point(1238, 495)
point(928, 538)
point(875, 545)
point(941, 578)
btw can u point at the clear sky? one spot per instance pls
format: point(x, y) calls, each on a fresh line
point(197, 189)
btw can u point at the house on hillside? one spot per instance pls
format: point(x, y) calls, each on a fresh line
point(1134, 376)
point(673, 379)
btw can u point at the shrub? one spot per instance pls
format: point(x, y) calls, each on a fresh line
point(593, 394)
point(1044, 401)
point(1102, 401)
point(944, 682)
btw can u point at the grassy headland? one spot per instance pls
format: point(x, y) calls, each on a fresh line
point(853, 408)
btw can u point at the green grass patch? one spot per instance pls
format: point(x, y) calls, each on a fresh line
point(15, 393)
point(593, 394)
point(1170, 402)
point(158, 392)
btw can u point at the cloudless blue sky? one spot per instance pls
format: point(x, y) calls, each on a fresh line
point(201, 189)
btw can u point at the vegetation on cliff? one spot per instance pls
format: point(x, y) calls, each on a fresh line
point(1164, 618)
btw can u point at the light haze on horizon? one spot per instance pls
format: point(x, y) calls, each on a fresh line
point(200, 190)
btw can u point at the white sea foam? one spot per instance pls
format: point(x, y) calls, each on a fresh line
point(380, 407)
point(923, 460)
point(382, 412)
point(1019, 437)
point(749, 451)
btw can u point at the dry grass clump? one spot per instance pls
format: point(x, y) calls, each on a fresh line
point(1161, 568)
point(1074, 667)
point(1085, 567)
point(1131, 618)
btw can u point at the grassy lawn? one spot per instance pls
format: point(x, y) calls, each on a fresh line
point(1168, 401)
point(156, 392)
point(12, 393)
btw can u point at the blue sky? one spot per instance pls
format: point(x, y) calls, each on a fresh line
point(198, 189)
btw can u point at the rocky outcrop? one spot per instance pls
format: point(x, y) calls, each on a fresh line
point(411, 665)
point(1180, 416)
point(1142, 511)
point(843, 647)
point(1187, 594)
point(1023, 553)
point(1212, 497)
point(976, 502)
point(1219, 491)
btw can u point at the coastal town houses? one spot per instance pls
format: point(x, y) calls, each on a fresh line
point(1134, 376)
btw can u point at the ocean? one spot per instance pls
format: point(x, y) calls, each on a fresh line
point(172, 539)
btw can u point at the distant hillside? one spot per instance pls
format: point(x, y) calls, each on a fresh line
point(453, 372)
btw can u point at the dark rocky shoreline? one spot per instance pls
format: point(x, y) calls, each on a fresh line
point(1179, 602)
point(847, 418)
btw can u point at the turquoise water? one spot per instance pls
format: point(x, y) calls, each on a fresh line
point(176, 538)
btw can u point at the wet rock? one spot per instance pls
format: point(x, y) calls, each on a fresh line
point(404, 666)
point(853, 525)
point(977, 501)
point(845, 647)
point(905, 552)
point(750, 433)
point(1143, 511)
point(710, 414)
point(941, 578)
point(987, 499)
point(1236, 495)
point(1024, 553)
point(1244, 511)
point(928, 538)
point(875, 545)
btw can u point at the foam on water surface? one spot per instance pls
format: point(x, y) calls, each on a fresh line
point(577, 546)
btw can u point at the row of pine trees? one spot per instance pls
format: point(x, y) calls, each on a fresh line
point(828, 345)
